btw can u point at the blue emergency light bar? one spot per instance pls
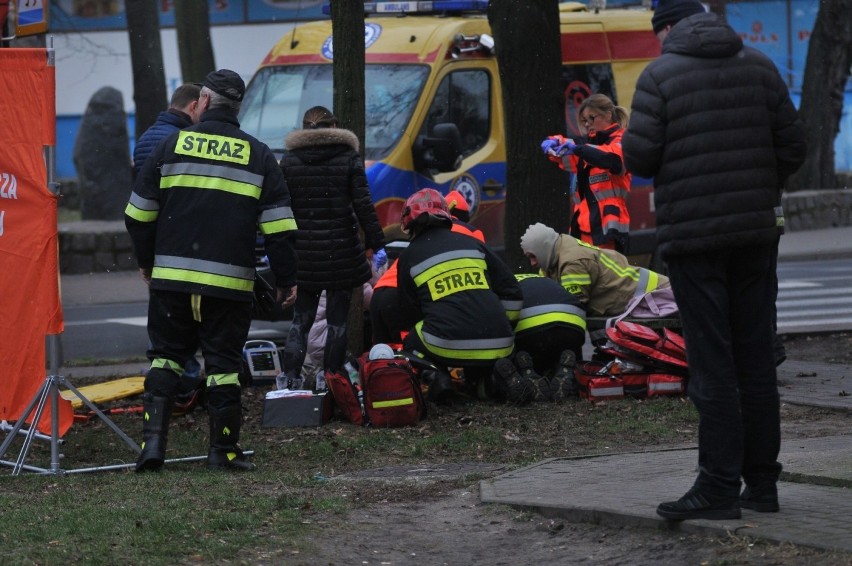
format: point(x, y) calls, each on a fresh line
point(420, 7)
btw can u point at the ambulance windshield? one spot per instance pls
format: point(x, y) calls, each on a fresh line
point(277, 98)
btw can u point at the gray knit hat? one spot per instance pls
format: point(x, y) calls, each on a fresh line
point(540, 240)
point(670, 12)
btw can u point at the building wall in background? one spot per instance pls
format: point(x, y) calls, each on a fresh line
point(92, 50)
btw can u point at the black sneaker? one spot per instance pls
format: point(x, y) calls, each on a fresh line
point(564, 382)
point(517, 387)
point(698, 505)
point(763, 499)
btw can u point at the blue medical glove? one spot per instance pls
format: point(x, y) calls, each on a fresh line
point(548, 145)
point(566, 148)
point(380, 258)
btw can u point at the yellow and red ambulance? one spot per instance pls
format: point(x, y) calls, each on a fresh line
point(434, 109)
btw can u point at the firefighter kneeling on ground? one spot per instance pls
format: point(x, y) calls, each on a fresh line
point(549, 337)
point(457, 297)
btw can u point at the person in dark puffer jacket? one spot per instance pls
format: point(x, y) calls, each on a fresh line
point(331, 200)
point(713, 123)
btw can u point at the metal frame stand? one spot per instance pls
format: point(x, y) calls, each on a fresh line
point(49, 393)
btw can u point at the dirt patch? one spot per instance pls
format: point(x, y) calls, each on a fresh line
point(418, 518)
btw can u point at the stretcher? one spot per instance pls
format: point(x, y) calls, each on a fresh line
point(107, 391)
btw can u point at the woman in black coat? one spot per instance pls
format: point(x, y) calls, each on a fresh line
point(331, 201)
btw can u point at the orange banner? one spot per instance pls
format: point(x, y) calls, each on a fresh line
point(30, 306)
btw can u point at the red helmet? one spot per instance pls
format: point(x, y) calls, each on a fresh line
point(425, 201)
point(456, 201)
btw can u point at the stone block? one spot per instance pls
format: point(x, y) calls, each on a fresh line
point(104, 262)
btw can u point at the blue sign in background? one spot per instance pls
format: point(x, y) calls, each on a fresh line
point(778, 28)
point(69, 15)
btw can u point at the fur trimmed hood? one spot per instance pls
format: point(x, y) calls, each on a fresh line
point(301, 139)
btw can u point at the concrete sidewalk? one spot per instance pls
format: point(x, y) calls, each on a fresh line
point(625, 489)
point(808, 245)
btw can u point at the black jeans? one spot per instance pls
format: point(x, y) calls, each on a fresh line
point(304, 314)
point(726, 306)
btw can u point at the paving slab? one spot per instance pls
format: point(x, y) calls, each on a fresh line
point(818, 385)
point(625, 489)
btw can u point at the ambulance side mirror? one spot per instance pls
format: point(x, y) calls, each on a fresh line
point(441, 151)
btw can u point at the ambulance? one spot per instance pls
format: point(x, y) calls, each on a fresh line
point(434, 108)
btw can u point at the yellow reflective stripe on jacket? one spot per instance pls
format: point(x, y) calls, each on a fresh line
point(204, 266)
point(574, 282)
point(163, 363)
point(215, 183)
point(215, 379)
point(512, 308)
point(187, 276)
point(627, 271)
point(191, 270)
point(210, 176)
point(142, 209)
point(550, 317)
point(213, 147)
point(278, 226)
point(277, 220)
point(648, 281)
point(475, 349)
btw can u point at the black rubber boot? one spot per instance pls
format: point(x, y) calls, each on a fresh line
point(542, 387)
point(155, 432)
point(565, 384)
point(226, 417)
point(440, 384)
point(518, 388)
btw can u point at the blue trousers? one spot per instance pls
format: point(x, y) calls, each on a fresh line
point(726, 301)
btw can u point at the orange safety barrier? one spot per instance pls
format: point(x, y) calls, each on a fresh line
point(30, 306)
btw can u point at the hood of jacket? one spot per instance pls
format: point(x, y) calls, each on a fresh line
point(540, 240)
point(703, 35)
point(320, 137)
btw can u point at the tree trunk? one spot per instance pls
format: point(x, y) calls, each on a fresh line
point(192, 20)
point(146, 57)
point(347, 27)
point(533, 106)
point(826, 74)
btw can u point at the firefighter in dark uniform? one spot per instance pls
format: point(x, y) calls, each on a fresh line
point(549, 336)
point(193, 217)
point(455, 293)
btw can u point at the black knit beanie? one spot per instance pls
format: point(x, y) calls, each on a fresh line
point(670, 12)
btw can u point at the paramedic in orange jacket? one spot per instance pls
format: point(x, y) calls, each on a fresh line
point(600, 213)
